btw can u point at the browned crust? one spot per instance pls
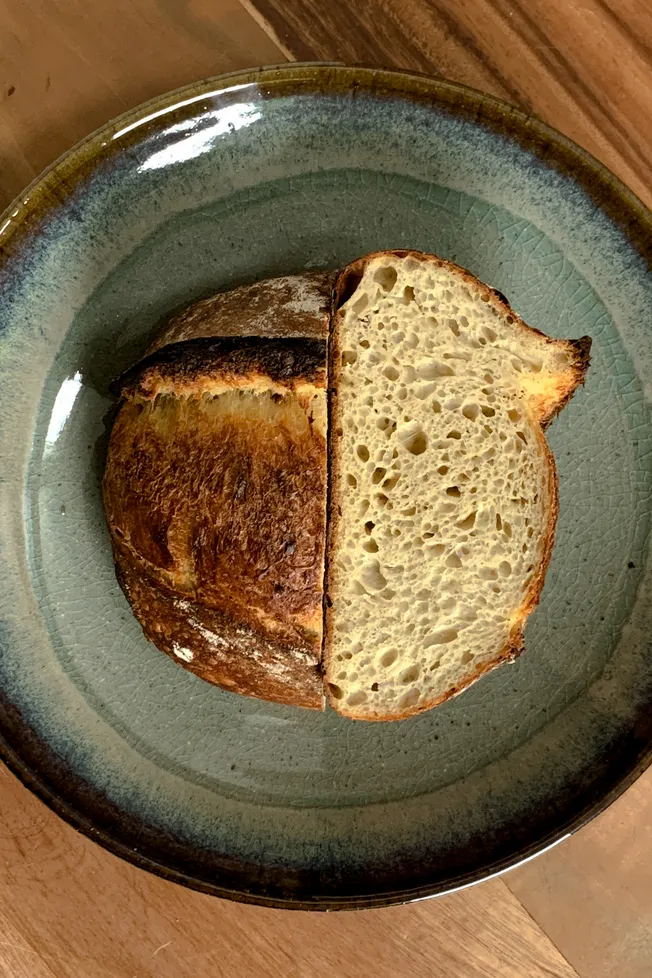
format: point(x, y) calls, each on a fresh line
point(345, 285)
point(230, 361)
point(226, 652)
point(217, 516)
point(288, 306)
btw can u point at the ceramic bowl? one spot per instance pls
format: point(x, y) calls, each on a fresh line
point(271, 172)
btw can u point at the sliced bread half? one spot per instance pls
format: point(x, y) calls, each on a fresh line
point(443, 492)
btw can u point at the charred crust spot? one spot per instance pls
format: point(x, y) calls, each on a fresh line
point(583, 349)
point(499, 295)
point(282, 360)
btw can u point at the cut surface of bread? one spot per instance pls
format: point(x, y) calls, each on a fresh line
point(215, 496)
point(443, 496)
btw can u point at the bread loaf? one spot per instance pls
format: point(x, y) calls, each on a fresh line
point(443, 489)
point(215, 490)
point(413, 515)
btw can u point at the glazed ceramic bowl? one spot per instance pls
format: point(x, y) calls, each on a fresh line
point(259, 174)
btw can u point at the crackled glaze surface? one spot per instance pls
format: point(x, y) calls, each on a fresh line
point(233, 794)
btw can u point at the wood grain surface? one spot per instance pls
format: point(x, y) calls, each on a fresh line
point(67, 908)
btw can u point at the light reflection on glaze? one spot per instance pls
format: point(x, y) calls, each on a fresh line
point(178, 105)
point(229, 119)
point(62, 407)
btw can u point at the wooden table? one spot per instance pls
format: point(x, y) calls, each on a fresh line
point(67, 908)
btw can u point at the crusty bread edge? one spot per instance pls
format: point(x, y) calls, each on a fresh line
point(345, 284)
point(265, 364)
point(209, 364)
point(306, 694)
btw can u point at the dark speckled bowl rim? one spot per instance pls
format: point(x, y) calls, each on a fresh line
point(32, 760)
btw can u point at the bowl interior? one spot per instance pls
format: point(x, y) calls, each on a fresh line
point(239, 793)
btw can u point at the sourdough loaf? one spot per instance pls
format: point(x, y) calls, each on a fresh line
point(443, 489)
point(388, 546)
point(215, 489)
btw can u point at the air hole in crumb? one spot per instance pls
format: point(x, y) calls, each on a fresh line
point(452, 403)
point(488, 411)
point(389, 658)
point(348, 357)
point(432, 369)
point(454, 492)
point(442, 636)
point(357, 698)
point(386, 277)
point(513, 415)
point(365, 344)
point(410, 699)
point(408, 294)
point(454, 434)
point(391, 373)
point(372, 577)
point(436, 407)
point(443, 469)
point(410, 675)
point(360, 304)
point(370, 546)
point(505, 568)
point(453, 561)
point(374, 687)
point(369, 525)
point(468, 523)
point(378, 475)
point(363, 453)
point(336, 691)
point(470, 411)
point(488, 573)
point(454, 328)
point(352, 481)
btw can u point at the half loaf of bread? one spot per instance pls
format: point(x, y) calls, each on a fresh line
point(443, 489)
point(215, 489)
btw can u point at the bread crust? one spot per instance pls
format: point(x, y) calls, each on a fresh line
point(218, 648)
point(284, 307)
point(214, 365)
point(217, 505)
point(346, 283)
